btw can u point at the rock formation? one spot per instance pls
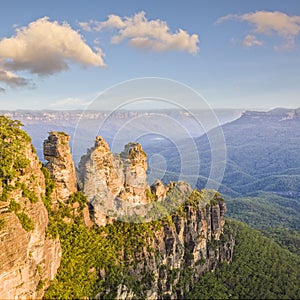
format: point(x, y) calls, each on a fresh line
point(60, 165)
point(159, 190)
point(107, 178)
point(183, 245)
point(134, 161)
point(182, 250)
point(62, 171)
point(28, 258)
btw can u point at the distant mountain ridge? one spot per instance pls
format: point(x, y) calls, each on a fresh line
point(262, 154)
point(282, 113)
point(84, 125)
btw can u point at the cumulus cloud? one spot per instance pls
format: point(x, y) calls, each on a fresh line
point(146, 34)
point(250, 41)
point(12, 79)
point(44, 48)
point(268, 23)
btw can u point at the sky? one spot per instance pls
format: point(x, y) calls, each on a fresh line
point(236, 54)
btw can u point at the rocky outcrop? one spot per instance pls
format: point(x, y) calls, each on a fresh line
point(182, 245)
point(62, 171)
point(187, 243)
point(186, 246)
point(159, 190)
point(60, 165)
point(109, 179)
point(28, 258)
point(134, 162)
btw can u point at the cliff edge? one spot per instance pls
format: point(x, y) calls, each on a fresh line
point(29, 258)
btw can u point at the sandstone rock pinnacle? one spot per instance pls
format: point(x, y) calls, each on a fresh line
point(60, 165)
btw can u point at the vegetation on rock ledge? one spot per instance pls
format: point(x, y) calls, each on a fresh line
point(12, 149)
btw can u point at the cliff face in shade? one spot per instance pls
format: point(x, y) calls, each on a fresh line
point(60, 165)
point(28, 259)
point(107, 177)
point(187, 248)
point(181, 251)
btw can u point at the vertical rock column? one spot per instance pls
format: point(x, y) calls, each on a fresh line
point(60, 165)
point(102, 179)
point(134, 161)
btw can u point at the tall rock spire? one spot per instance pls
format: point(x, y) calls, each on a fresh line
point(60, 165)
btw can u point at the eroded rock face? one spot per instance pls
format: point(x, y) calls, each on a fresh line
point(134, 161)
point(109, 179)
point(187, 243)
point(28, 259)
point(180, 252)
point(60, 165)
point(174, 257)
point(183, 248)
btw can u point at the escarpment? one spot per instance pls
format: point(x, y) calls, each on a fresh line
point(186, 245)
point(180, 236)
point(29, 259)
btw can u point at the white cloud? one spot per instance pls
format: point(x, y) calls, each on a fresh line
point(250, 41)
point(69, 102)
point(146, 34)
point(113, 22)
point(268, 23)
point(44, 48)
point(227, 18)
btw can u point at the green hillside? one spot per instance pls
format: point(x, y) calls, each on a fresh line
point(277, 217)
point(261, 269)
point(265, 210)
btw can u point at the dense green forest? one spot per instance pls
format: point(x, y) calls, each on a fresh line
point(275, 216)
point(261, 269)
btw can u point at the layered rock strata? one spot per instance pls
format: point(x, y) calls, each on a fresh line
point(28, 258)
point(110, 179)
point(180, 252)
point(60, 165)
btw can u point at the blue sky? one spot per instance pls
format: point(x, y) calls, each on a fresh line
point(239, 54)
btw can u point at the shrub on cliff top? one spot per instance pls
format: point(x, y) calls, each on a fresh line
point(12, 149)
